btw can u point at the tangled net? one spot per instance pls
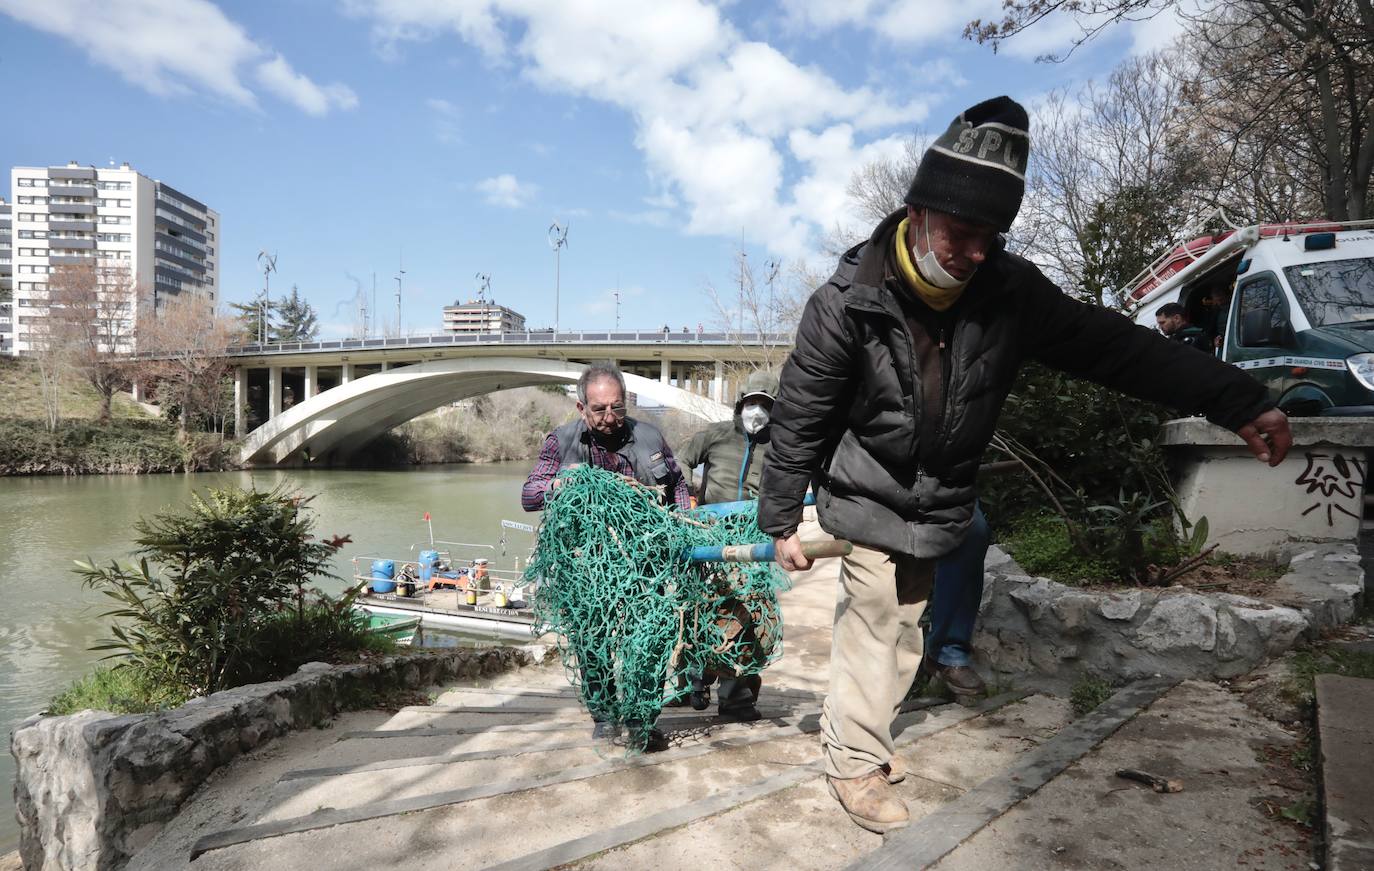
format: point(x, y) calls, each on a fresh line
point(632, 614)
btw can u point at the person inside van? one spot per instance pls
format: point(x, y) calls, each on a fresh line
point(1172, 319)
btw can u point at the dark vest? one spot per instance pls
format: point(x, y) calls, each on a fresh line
point(644, 447)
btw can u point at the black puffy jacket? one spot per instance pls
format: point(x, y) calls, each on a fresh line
point(848, 415)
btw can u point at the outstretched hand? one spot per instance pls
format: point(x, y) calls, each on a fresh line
point(1268, 436)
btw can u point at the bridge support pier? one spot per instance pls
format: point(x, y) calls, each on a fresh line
point(718, 385)
point(240, 401)
point(312, 382)
point(273, 392)
point(665, 372)
point(345, 373)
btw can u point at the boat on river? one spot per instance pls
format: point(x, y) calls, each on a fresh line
point(449, 585)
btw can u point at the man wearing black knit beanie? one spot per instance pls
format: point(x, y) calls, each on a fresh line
point(902, 362)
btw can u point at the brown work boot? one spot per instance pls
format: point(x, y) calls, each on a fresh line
point(869, 801)
point(895, 770)
point(964, 682)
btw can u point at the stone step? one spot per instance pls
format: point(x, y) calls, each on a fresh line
point(303, 791)
point(1200, 734)
point(1345, 738)
point(539, 812)
point(802, 827)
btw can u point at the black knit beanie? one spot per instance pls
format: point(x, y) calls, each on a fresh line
point(976, 170)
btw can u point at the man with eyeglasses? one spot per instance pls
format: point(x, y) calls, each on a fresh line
point(902, 362)
point(603, 436)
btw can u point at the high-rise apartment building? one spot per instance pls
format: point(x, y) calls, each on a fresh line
point(480, 316)
point(107, 217)
point(6, 279)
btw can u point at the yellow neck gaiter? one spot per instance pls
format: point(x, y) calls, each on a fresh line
point(938, 298)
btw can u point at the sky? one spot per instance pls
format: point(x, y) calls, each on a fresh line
point(354, 138)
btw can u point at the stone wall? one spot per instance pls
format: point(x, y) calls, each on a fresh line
point(1032, 624)
point(92, 788)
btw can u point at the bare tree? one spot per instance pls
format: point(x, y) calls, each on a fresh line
point(92, 308)
point(1114, 177)
point(1287, 86)
point(768, 304)
point(51, 354)
point(182, 348)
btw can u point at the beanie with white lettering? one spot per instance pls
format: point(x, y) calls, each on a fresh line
point(976, 170)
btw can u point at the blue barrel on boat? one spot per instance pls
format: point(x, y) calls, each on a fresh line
point(383, 571)
point(427, 560)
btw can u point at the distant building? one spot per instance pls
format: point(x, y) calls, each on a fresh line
point(74, 215)
point(6, 280)
point(480, 316)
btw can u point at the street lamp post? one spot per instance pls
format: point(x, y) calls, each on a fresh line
point(558, 240)
point(269, 265)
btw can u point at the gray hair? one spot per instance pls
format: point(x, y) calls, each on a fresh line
point(595, 372)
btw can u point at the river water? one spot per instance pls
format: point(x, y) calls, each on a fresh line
point(49, 621)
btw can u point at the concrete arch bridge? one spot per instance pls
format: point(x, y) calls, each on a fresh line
point(323, 402)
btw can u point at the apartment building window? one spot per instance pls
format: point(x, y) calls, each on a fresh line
point(34, 201)
point(24, 183)
point(114, 219)
point(209, 235)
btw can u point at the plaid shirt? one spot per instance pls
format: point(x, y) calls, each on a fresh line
point(546, 468)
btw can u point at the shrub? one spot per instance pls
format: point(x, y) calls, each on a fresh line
point(233, 561)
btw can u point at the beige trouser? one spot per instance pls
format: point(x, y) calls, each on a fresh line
point(874, 654)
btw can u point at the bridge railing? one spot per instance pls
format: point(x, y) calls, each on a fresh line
point(528, 337)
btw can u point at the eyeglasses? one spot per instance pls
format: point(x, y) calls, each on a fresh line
point(603, 410)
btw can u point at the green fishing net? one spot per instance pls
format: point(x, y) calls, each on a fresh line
point(631, 613)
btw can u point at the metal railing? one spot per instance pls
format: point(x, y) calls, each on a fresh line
point(528, 337)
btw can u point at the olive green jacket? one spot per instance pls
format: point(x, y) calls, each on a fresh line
point(724, 448)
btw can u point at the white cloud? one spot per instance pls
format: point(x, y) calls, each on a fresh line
point(507, 191)
point(714, 111)
point(177, 48)
point(277, 76)
point(446, 128)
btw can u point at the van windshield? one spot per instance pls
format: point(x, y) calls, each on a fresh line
point(1335, 292)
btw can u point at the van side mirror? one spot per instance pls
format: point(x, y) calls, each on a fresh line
point(1260, 327)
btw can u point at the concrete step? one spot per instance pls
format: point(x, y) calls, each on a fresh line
point(1345, 738)
point(803, 828)
point(545, 811)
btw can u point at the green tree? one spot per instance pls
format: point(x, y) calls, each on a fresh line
point(296, 319)
point(254, 320)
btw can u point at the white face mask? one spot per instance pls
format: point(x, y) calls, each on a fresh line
point(929, 265)
point(753, 417)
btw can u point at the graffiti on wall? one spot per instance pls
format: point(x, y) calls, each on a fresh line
point(1339, 481)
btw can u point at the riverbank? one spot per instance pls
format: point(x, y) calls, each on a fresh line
point(132, 442)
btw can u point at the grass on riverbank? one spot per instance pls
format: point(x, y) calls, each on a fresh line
point(281, 645)
point(122, 446)
point(117, 690)
point(23, 398)
point(132, 442)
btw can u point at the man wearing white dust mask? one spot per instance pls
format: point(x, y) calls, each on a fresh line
point(730, 454)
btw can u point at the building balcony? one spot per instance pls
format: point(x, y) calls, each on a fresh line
point(70, 260)
point(67, 189)
point(72, 173)
point(86, 244)
point(197, 223)
point(72, 226)
point(180, 243)
point(71, 208)
point(184, 262)
point(175, 229)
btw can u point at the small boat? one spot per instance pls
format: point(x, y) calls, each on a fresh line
point(398, 627)
point(447, 585)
